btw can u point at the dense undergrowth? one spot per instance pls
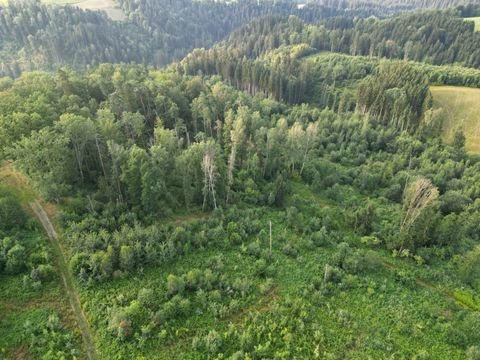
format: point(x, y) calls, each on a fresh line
point(281, 204)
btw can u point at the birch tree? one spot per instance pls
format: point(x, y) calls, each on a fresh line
point(209, 173)
point(310, 139)
point(419, 196)
point(237, 138)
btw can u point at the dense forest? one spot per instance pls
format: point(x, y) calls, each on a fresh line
point(35, 36)
point(283, 191)
point(133, 146)
point(418, 37)
point(382, 8)
point(278, 58)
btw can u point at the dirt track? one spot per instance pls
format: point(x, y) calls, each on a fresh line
point(67, 281)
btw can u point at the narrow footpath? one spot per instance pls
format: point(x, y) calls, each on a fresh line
point(67, 280)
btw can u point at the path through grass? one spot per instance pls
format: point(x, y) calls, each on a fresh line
point(67, 280)
point(19, 185)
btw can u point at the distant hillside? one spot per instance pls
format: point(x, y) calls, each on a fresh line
point(36, 36)
point(390, 7)
point(462, 108)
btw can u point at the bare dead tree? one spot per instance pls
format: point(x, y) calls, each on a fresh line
point(209, 171)
point(418, 196)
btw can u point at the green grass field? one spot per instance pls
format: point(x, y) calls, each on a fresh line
point(55, 2)
point(462, 107)
point(109, 6)
point(477, 22)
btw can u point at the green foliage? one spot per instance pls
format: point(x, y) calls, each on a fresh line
point(11, 213)
point(44, 157)
point(397, 95)
point(140, 153)
point(49, 340)
point(469, 268)
point(154, 32)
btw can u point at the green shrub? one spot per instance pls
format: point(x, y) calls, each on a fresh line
point(343, 250)
point(261, 268)
point(15, 259)
point(147, 298)
point(48, 339)
point(455, 336)
point(290, 250)
point(175, 285)
point(254, 249)
point(119, 324)
point(320, 238)
point(469, 268)
point(473, 353)
point(332, 274)
point(213, 342)
point(11, 213)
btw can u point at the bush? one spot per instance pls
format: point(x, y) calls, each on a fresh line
point(261, 267)
point(193, 279)
point(127, 258)
point(242, 285)
point(320, 238)
point(343, 250)
point(473, 353)
point(120, 325)
point(453, 202)
point(394, 193)
point(406, 279)
point(216, 263)
point(254, 249)
point(15, 259)
point(332, 274)
point(470, 326)
point(213, 342)
point(79, 265)
point(45, 272)
point(371, 241)
point(147, 298)
point(175, 285)
point(290, 250)
point(469, 268)
point(11, 213)
point(183, 305)
point(48, 339)
point(359, 262)
point(455, 336)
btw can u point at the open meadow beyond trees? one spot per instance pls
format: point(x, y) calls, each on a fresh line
point(462, 110)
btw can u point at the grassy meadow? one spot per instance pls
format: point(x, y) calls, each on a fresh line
point(476, 20)
point(462, 107)
point(109, 6)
